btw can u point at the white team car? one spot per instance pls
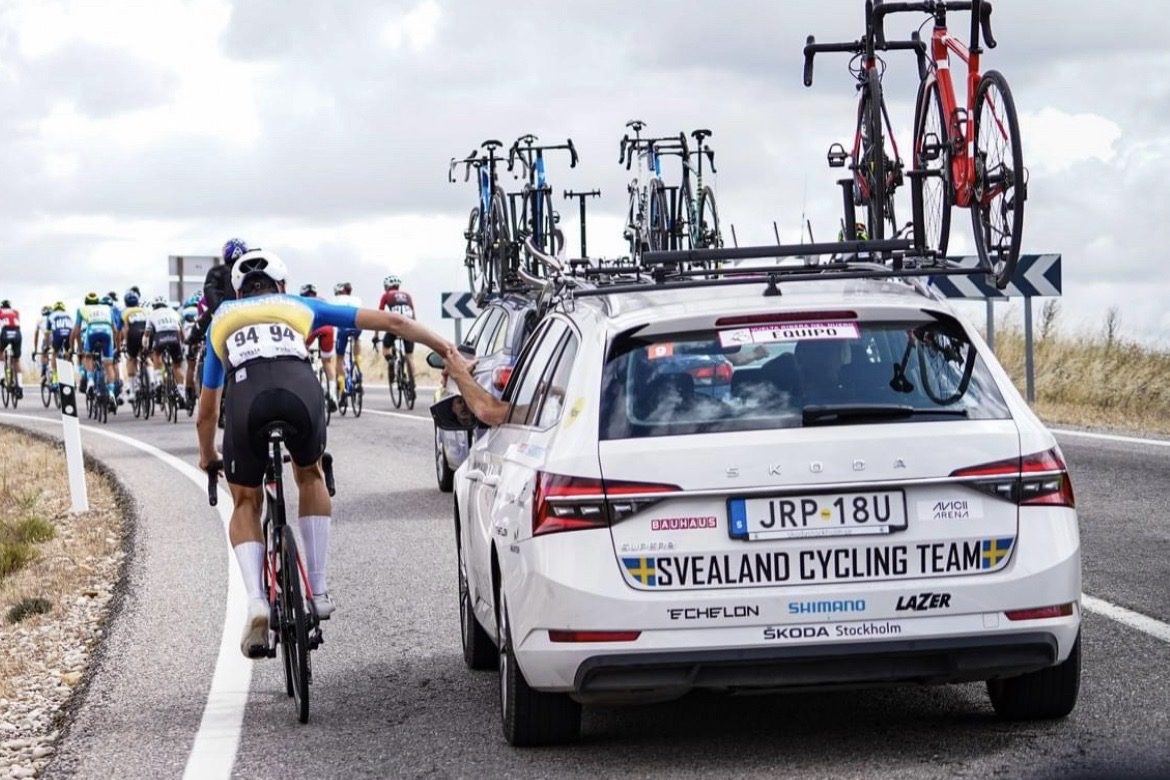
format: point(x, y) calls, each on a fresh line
point(872, 502)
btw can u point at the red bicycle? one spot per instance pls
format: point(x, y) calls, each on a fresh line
point(971, 154)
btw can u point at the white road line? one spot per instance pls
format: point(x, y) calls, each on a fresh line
point(214, 752)
point(1111, 437)
point(414, 417)
point(1144, 623)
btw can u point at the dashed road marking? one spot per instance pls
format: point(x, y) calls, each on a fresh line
point(1136, 620)
point(1111, 437)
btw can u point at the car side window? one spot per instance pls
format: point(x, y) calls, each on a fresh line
point(500, 339)
point(552, 393)
point(483, 346)
point(521, 363)
point(534, 371)
point(477, 326)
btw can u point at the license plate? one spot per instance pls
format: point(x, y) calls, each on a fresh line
point(835, 514)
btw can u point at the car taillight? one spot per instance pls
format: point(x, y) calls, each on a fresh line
point(1037, 479)
point(500, 377)
point(720, 372)
point(592, 636)
point(1040, 613)
point(563, 503)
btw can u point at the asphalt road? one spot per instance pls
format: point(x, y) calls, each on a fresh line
point(392, 697)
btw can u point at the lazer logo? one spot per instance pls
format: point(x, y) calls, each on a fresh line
point(921, 602)
point(795, 632)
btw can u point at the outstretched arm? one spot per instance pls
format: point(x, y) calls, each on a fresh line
point(485, 406)
point(372, 319)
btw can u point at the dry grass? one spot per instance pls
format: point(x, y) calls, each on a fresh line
point(1094, 380)
point(374, 366)
point(69, 555)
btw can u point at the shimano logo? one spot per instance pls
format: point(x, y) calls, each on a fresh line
point(921, 602)
point(825, 607)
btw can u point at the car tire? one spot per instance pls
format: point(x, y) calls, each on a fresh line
point(479, 653)
point(444, 474)
point(530, 717)
point(1042, 695)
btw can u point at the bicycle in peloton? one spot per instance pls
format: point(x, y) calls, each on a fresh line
point(10, 389)
point(50, 383)
point(971, 154)
point(352, 392)
point(168, 388)
point(398, 376)
point(874, 159)
point(489, 240)
point(98, 402)
point(143, 403)
point(318, 367)
point(293, 621)
point(538, 219)
point(648, 215)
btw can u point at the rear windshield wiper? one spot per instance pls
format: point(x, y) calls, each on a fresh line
point(837, 414)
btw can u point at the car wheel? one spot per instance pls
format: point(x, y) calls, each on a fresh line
point(531, 717)
point(1041, 695)
point(443, 473)
point(478, 651)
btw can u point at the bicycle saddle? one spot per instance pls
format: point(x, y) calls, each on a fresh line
point(491, 144)
point(699, 135)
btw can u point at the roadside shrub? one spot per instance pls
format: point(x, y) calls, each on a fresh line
point(14, 556)
point(29, 605)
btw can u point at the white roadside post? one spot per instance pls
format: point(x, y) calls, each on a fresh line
point(74, 459)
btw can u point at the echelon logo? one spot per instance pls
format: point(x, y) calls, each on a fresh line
point(714, 613)
point(921, 602)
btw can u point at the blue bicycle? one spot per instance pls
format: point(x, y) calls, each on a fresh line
point(538, 219)
point(489, 241)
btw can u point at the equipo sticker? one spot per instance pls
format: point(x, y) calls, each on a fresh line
point(789, 331)
point(842, 564)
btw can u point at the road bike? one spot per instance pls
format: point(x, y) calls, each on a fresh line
point(143, 403)
point(648, 214)
point(168, 388)
point(874, 160)
point(322, 379)
point(398, 376)
point(97, 394)
point(489, 241)
point(698, 217)
point(50, 384)
point(970, 154)
point(293, 621)
point(538, 219)
point(10, 389)
point(352, 392)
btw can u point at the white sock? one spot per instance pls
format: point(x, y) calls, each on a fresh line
point(315, 539)
point(250, 556)
point(153, 375)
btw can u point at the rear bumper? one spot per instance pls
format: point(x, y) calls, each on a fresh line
point(947, 660)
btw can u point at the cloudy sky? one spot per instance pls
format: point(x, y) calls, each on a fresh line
point(131, 131)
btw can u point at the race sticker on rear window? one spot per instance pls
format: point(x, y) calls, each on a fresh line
point(789, 331)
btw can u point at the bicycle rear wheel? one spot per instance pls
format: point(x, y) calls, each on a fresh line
point(932, 154)
point(395, 385)
point(46, 392)
point(294, 624)
point(658, 217)
point(873, 156)
point(499, 244)
point(712, 238)
point(997, 210)
point(473, 255)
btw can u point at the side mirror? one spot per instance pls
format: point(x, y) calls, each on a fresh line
point(435, 360)
point(453, 414)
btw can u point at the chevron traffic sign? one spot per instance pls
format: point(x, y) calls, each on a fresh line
point(458, 306)
point(1037, 276)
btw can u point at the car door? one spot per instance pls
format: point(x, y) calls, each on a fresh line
point(481, 334)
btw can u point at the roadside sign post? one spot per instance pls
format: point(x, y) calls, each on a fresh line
point(188, 271)
point(458, 306)
point(1037, 276)
point(74, 458)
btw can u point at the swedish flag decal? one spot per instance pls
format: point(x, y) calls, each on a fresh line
point(994, 551)
point(642, 570)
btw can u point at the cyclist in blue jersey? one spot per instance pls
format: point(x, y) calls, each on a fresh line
point(61, 330)
point(256, 344)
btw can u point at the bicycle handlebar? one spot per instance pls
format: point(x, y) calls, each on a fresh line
point(811, 47)
point(930, 7)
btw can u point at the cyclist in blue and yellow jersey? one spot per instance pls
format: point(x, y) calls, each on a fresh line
point(133, 327)
point(111, 299)
point(96, 320)
point(256, 344)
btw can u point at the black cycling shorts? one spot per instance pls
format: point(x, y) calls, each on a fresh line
point(134, 339)
point(268, 391)
point(169, 342)
point(11, 336)
point(388, 342)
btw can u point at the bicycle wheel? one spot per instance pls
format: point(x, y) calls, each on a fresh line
point(46, 392)
point(686, 222)
point(932, 154)
point(473, 255)
point(359, 396)
point(396, 387)
point(145, 393)
point(408, 392)
point(323, 380)
point(102, 404)
point(997, 210)
point(712, 238)
point(658, 217)
point(294, 623)
point(946, 363)
point(873, 157)
point(499, 268)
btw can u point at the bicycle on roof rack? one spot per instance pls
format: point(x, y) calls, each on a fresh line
point(874, 158)
point(971, 163)
point(648, 216)
point(698, 219)
point(536, 216)
point(489, 242)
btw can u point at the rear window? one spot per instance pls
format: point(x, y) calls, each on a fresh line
point(794, 375)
